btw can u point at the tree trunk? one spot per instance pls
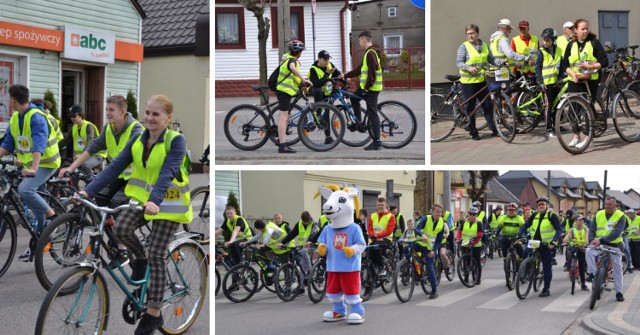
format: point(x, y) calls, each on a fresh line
point(420, 192)
point(257, 8)
point(478, 191)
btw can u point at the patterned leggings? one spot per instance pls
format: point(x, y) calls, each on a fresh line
point(161, 234)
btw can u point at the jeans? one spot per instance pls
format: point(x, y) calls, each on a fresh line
point(371, 98)
point(431, 263)
point(627, 252)
point(27, 190)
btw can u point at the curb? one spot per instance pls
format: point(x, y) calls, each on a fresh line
point(591, 326)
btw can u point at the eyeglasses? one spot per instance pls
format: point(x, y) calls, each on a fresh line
point(473, 214)
point(542, 204)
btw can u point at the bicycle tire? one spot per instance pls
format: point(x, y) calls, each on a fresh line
point(186, 287)
point(634, 86)
point(481, 121)
point(528, 117)
point(424, 278)
point(573, 273)
point(201, 204)
point(387, 281)
point(504, 117)
point(597, 288)
point(318, 120)
point(246, 127)
point(317, 282)
point(51, 321)
point(524, 279)
point(466, 268)
point(267, 279)
point(626, 115)
point(404, 280)
point(483, 255)
point(292, 129)
point(443, 121)
point(452, 266)
point(245, 278)
point(508, 263)
point(539, 278)
point(217, 279)
point(574, 117)
point(398, 124)
point(8, 242)
point(366, 282)
point(357, 133)
point(439, 268)
point(287, 280)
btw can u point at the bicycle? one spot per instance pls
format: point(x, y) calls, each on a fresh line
point(397, 121)
point(407, 273)
point(574, 266)
point(290, 277)
point(603, 275)
point(369, 278)
point(317, 281)
point(200, 203)
point(315, 123)
point(241, 282)
point(440, 266)
point(449, 115)
point(222, 261)
point(468, 269)
point(512, 262)
point(530, 273)
point(79, 299)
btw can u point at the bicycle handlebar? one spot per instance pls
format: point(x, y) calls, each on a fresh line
point(132, 204)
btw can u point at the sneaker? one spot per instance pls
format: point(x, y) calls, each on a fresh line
point(149, 324)
point(382, 273)
point(139, 267)
point(300, 291)
point(447, 271)
point(25, 256)
point(581, 144)
point(355, 319)
point(330, 316)
point(589, 277)
point(550, 133)
point(619, 296)
point(584, 287)
point(375, 145)
point(328, 140)
point(478, 282)
point(545, 293)
point(121, 257)
point(286, 150)
point(475, 136)
point(573, 142)
point(433, 295)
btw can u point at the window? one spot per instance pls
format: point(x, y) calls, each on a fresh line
point(391, 11)
point(297, 24)
point(393, 44)
point(230, 28)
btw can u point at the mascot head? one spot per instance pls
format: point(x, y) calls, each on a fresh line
point(340, 206)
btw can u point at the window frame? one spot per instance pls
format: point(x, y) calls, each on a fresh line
point(395, 12)
point(393, 51)
point(274, 27)
point(241, 30)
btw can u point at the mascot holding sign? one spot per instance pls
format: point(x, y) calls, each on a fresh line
point(343, 243)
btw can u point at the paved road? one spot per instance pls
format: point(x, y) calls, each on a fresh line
point(489, 307)
point(531, 149)
point(413, 153)
point(21, 295)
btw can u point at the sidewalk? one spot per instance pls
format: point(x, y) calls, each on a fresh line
point(612, 317)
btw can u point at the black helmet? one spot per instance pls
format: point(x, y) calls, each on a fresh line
point(296, 46)
point(548, 33)
point(545, 199)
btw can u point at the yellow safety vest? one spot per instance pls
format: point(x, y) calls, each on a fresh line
point(55, 124)
point(547, 231)
point(561, 43)
point(176, 205)
point(380, 224)
point(272, 241)
point(303, 234)
point(288, 82)
point(398, 232)
point(587, 55)
point(510, 225)
point(604, 226)
point(481, 217)
point(114, 148)
point(80, 138)
point(523, 49)
point(23, 141)
point(494, 221)
point(324, 220)
point(246, 234)
point(634, 227)
point(431, 232)
point(551, 66)
point(364, 73)
point(470, 231)
point(497, 54)
point(327, 87)
point(578, 237)
point(476, 60)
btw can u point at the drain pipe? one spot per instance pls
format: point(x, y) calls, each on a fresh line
point(342, 36)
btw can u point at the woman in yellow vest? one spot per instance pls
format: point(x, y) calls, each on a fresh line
point(577, 237)
point(159, 182)
point(473, 57)
point(583, 58)
point(548, 73)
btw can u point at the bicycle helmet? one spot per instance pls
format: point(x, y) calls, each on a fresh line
point(544, 199)
point(473, 210)
point(296, 45)
point(548, 33)
point(476, 203)
point(512, 205)
point(569, 212)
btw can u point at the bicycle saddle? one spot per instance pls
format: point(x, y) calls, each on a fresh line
point(452, 77)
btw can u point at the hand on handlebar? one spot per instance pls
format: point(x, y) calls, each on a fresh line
point(28, 173)
point(62, 172)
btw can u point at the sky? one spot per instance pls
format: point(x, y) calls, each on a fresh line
point(618, 178)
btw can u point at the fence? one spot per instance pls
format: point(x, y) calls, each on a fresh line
point(402, 68)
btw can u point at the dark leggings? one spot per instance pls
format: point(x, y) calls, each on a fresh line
point(468, 90)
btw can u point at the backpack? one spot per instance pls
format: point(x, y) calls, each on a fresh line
point(273, 78)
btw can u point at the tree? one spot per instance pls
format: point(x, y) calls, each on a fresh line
point(484, 177)
point(48, 95)
point(233, 202)
point(257, 8)
point(420, 192)
point(132, 104)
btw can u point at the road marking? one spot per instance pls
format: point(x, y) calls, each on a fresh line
point(447, 299)
point(387, 298)
point(568, 303)
point(616, 317)
point(504, 301)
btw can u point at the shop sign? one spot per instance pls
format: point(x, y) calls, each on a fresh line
point(88, 45)
point(30, 37)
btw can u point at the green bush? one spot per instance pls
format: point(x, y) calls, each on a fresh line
point(404, 57)
point(233, 202)
point(132, 104)
point(48, 95)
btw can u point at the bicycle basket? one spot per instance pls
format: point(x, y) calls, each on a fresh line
point(497, 79)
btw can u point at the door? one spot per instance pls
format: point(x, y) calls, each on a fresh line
point(613, 30)
point(72, 93)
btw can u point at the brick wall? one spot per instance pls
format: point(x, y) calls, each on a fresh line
point(237, 88)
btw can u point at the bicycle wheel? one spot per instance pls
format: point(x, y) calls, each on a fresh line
point(83, 311)
point(292, 125)
point(626, 115)
point(508, 264)
point(366, 282)
point(287, 280)
point(397, 124)
point(574, 118)
point(318, 124)
point(217, 281)
point(317, 282)
point(443, 121)
point(481, 121)
point(573, 273)
point(404, 280)
point(597, 288)
point(483, 255)
point(625, 266)
point(538, 278)
point(8, 242)
point(200, 202)
point(240, 283)
point(452, 266)
point(504, 117)
point(423, 278)
point(467, 270)
point(186, 286)
point(439, 268)
point(266, 278)
point(246, 127)
point(529, 109)
point(62, 244)
point(356, 134)
point(524, 279)
point(634, 86)
point(387, 281)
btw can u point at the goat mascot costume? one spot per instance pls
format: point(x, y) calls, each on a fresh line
point(343, 243)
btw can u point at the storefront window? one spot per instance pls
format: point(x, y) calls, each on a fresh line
point(230, 28)
point(10, 68)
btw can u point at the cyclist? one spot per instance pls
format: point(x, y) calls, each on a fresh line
point(509, 226)
point(447, 218)
point(400, 225)
point(525, 44)
point(279, 221)
point(548, 73)
point(160, 181)
point(289, 80)
point(634, 240)
point(269, 238)
point(370, 73)
point(299, 236)
point(577, 237)
point(563, 40)
point(320, 74)
point(408, 236)
point(566, 225)
point(82, 133)
point(481, 215)
point(33, 138)
point(235, 230)
point(630, 216)
point(606, 230)
point(380, 229)
point(545, 227)
point(472, 230)
point(582, 61)
point(495, 218)
point(429, 236)
point(472, 57)
point(499, 44)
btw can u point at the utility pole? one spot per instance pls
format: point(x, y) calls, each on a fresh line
point(284, 27)
point(446, 202)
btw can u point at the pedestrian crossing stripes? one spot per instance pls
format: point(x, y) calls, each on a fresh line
point(450, 298)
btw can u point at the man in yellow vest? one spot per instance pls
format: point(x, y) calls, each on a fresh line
point(370, 74)
point(499, 44)
point(634, 240)
point(527, 45)
point(320, 74)
point(235, 230)
point(429, 237)
point(545, 227)
point(470, 236)
point(382, 223)
point(32, 138)
point(81, 134)
point(563, 40)
point(606, 231)
point(299, 237)
point(548, 74)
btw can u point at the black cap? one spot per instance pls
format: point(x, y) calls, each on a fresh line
point(75, 109)
point(324, 54)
